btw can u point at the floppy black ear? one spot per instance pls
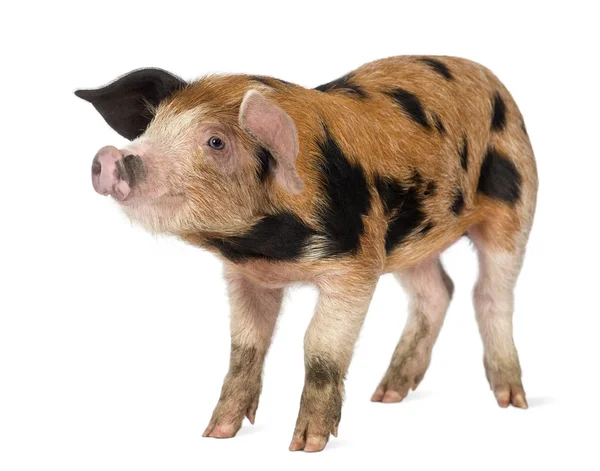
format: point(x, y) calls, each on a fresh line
point(124, 103)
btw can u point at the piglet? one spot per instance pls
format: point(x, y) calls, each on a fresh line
point(376, 172)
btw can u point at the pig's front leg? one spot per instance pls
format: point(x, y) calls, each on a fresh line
point(254, 311)
point(329, 344)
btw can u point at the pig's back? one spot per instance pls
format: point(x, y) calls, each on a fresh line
point(421, 129)
point(412, 111)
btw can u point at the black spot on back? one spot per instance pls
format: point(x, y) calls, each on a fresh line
point(499, 178)
point(437, 122)
point(270, 81)
point(343, 84)
point(276, 237)
point(498, 113)
point(404, 207)
point(464, 153)
point(266, 161)
point(438, 66)
point(347, 198)
point(411, 105)
point(459, 202)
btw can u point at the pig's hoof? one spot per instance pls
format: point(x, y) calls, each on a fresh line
point(505, 382)
point(311, 444)
point(387, 396)
point(221, 431)
point(406, 371)
point(227, 419)
point(314, 428)
point(396, 384)
point(507, 394)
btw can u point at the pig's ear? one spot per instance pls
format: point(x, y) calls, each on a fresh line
point(124, 103)
point(277, 132)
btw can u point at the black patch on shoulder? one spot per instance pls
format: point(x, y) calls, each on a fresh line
point(498, 113)
point(344, 84)
point(270, 81)
point(266, 161)
point(459, 203)
point(499, 178)
point(411, 105)
point(347, 197)
point(276, 237)
point(437, 122)
point(403, 205)
point(464, 153)
point(438, 66)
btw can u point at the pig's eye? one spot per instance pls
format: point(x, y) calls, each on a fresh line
point(216, 143)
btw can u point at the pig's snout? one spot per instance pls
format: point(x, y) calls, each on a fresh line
point(114, 173)
point(107, 174)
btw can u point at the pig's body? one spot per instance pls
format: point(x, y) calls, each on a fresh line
point(376, 172)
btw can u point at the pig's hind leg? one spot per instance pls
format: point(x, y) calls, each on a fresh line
point(254, 312)
point(493, 298)
point(505, 200)
point(430, 290)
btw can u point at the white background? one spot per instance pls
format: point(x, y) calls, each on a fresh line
point(113, 344)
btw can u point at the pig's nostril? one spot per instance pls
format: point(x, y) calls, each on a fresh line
point(96, 167)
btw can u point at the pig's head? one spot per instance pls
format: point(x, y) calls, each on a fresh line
point(203, 156)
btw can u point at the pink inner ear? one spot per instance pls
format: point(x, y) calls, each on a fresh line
point(276, 130)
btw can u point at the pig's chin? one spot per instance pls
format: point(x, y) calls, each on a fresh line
point(156, 214)
point(169, 200)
